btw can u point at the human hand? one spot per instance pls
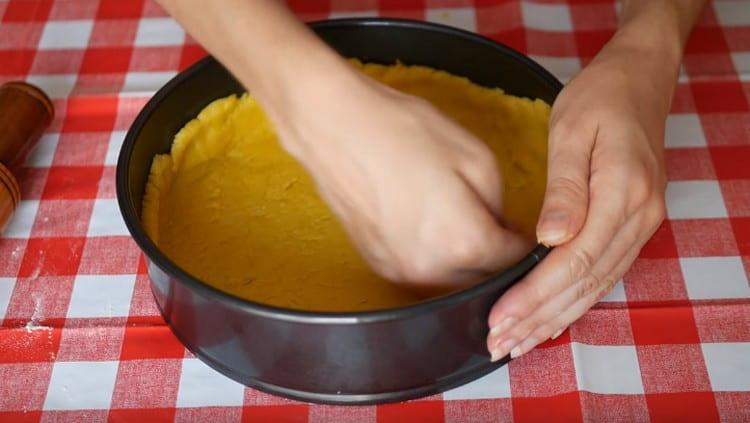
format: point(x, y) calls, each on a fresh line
point(419, 196)
point(604, 199)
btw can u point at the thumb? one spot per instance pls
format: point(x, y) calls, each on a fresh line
point(567, 197)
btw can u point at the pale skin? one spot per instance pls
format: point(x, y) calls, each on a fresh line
point(421, 198)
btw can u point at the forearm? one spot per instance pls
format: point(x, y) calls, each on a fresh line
point(262, 43)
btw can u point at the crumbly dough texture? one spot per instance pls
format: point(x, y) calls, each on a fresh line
point(232, 208)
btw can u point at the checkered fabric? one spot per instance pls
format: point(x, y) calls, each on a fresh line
point(81, 338)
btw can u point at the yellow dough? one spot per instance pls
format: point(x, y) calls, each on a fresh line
point(232, 208)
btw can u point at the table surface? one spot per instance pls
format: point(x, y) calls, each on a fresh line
point(81, 338)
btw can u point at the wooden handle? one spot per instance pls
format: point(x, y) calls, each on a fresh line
point(25, 113)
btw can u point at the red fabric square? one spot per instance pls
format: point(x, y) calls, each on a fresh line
point(208, 414)
point(88, 416)
point(663, 323)
point(543, 372)
point(733, 406)
point(708, 64)
point(25, 10)
point(15, 63)
point(562, 407)
point(341, 414)
point(127, 109)
point(590, 42)
point(191, 53)
point(108, 33)
point(21, 345)
point(106, 60)
point(704, 237)
point(723, 322)
point(11, 254)
point(741, 228)
point(152, 9)
point(63, 61)
point(737, 37)
point(118, 9)
point(563, 339)
point(731, 162)
point(515, 39)
point(154, 59)
point(500, 17)
point(655, 280)
point(706, 40)
point(24, 386)
point(40, 298)
point(107, 183)
point(386, 5)
point(254, 397)
point(62, 218)
point(550, 43)
point(310, 7)
point(594, 17)
point(682, 407)
point(73, 9)
point(143, 304)
point(613, 408)
point(151, 415)
point(51, 256)
point(736, 194)
point(661, 244)
point(603, 326)
point(81, 148)
point(684, 164)
point(147, 383)
point(726, 128)
point(423, 411)
point(718, 96)
point(478, 411)
point(91, 339)
point(672, 368)
point(352, 6)
point(73, 182)
point(276, 413)
point(110, 255)
point(144, 341)
point(87, 114)
point(103, 84)
point(20, 416)
point(682, 99)
point(32, 181)
point(22, 35)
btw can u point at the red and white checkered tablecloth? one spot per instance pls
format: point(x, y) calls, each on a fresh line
point(81, 338)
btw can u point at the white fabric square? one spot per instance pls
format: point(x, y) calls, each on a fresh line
point(44, 152)
point(159, 32)
point(113, 148)
point(741, 62)
point(695, 200)
point(139, 83)
point(617, 294)
point(23, 219)
point(66, 34)
point(202, 386)
point(684, 130)
point(101, 296)
point(564, 68)
point(106, 219)
point(81, 385)
point(607, 369)
point(732, 13)
point(728, 365)
point(56, 86)
point(493, 385)
point(459, 17)
point(546, 17)
point(6, 290)
point(708, 278)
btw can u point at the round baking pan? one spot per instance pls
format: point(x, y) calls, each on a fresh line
point(337, 358)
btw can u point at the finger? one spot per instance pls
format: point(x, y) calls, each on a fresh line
point(567, 196)
point(553, 329)
point(481, 173)
point(543, 320)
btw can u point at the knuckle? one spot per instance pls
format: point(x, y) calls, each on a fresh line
point(464, 251)
point(567, 187)
point(608, 283)
point(580, 263)
point(586, 285)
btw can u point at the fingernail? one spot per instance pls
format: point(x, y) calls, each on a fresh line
point(553, 228)
point(503, 326)
point(502, 350)
point(558, 333)
point(515, 352)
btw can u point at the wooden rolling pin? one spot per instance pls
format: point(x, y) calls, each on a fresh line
point(25, 113)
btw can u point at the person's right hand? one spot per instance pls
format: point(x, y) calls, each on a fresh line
point(419, 196)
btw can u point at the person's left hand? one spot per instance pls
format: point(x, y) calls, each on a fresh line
point(605, 195)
